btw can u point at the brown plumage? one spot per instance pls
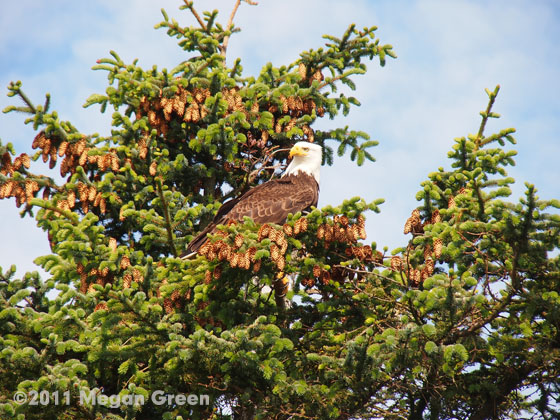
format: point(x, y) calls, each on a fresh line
point(272, 201)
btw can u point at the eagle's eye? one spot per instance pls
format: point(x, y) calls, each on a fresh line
point(306, 149)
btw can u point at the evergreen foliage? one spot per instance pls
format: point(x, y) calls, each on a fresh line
point(461, 322)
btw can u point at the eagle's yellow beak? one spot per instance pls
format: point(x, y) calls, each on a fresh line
point(297, 151)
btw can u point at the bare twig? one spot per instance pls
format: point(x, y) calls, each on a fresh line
point(257, 171)
point(252, 173)
point(369, 273)
point(223, 47)
point(195, 14)
point(25, 99)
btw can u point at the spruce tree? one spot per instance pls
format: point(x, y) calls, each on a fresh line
point(463, 321)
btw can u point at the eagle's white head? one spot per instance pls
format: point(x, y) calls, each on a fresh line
point(307, 157)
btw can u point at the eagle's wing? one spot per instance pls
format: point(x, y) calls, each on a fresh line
point(270, 202)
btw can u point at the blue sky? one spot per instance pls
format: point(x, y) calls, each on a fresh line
point(449, 51)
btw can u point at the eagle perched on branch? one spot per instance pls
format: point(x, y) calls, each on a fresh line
point(271, 202)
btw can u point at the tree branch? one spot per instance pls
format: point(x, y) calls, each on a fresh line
point(167, 218)
point(223, 47)
point(486, 115)
point(196, 15)
point(511, 379)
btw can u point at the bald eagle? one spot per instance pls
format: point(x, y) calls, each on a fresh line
point(271, 202)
